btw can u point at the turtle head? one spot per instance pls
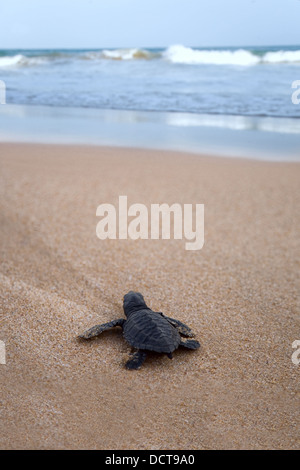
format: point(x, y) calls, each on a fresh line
point(133, 301)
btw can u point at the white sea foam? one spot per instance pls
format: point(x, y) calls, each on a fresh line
point(177, 54)
point(94, 55)
point(267, 124)
point(185, 55)
point(20, 60)
point(282, 56)
point(126, 54)
point(11, 61)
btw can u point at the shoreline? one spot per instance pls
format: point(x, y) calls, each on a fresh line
point(238, 293)
point(228, 136)
point(212, 157)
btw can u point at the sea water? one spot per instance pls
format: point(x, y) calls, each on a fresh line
point(223, 88)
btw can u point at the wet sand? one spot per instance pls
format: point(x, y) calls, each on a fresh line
point(239, 294)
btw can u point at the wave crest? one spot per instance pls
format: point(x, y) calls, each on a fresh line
point(282, 57)
point(20, 60)
point(176, 54)
point(179, 54)
point(186, 55)
point(126, 54)
point(11, 61)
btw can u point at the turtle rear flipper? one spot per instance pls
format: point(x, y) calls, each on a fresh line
point(137, 359)
point(183, 329)
point(98, 329)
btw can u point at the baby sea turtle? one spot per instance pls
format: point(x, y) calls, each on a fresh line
point(146, 330)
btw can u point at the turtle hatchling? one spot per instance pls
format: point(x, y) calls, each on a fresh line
point(146, 330)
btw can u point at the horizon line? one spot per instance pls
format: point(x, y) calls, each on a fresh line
point(143, 47)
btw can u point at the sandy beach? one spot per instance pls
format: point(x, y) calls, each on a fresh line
point(239, 295)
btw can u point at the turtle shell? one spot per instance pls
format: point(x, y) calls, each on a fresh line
point(145, 329)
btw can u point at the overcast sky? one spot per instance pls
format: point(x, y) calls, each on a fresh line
point(138, 23)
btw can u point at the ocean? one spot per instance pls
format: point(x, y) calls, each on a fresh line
point(248, 88)
point(219, 81)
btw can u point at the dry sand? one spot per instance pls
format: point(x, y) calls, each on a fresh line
point(239, 294)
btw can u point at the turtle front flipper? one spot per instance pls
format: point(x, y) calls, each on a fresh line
point(183, 329)
point(98, 329)
point(190, 344)
point(137, 360)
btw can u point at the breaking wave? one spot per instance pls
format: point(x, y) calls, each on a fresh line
point(176, 54)
point(126, 54)
point(179, 54)
point(20, 60)
point(282, 57)
point(186, 55)
point(10, 61)
point(118, 54)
